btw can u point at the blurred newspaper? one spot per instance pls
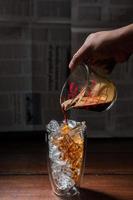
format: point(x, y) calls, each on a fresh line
point(36, 39)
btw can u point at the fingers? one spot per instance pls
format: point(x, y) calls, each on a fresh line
point(78, 57)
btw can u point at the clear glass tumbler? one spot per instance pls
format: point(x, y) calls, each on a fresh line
point(66, 155)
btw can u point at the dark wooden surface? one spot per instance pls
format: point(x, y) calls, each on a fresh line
point(23, 172)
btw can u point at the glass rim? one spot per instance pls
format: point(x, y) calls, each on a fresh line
point(87, 71)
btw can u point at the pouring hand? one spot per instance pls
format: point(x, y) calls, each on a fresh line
point(105, 49)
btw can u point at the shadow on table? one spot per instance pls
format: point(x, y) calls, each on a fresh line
point(86, 194)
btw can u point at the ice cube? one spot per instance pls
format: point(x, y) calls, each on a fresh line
point(82, 129)
point(58, 168)
point(54, 153)
point(72, 124)
point(64, 182)
point(79, 130)
point(60, 162)
point(53, 127)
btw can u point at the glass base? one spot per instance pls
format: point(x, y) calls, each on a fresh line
point(68, 193)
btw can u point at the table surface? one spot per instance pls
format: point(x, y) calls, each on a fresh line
point(23, 173)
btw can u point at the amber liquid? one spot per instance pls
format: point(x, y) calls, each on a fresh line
point(88, 105)
point(101, 99)
point(97, 107)
point(71, 147)
point(65, 114)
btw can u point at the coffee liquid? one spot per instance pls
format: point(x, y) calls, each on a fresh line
point(99, 100)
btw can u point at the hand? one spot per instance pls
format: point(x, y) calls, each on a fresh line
point(103, 49)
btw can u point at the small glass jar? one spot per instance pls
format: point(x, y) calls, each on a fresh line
point(87, 89)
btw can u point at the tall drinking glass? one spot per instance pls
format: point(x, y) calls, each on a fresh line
point(66, 153)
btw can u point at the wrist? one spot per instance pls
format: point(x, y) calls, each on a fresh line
point(125, 38)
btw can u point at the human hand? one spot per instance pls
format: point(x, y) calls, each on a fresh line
point(102, 49)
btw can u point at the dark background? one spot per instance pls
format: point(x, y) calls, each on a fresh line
point(37, 39)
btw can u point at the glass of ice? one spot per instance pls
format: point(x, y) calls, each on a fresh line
point(66, 155)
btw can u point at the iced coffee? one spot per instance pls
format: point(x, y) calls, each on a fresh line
point(66, 155)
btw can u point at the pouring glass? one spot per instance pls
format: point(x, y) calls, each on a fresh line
point(87, 89)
